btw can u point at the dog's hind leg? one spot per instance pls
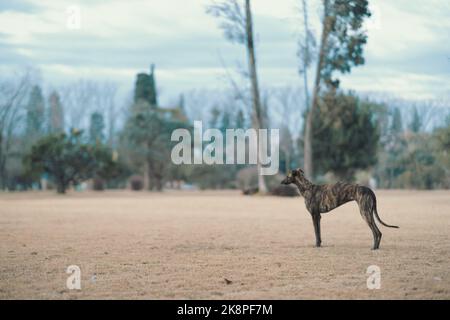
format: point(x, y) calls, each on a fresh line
point(376, 235)
point(366, 212)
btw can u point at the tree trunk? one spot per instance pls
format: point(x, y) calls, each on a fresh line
point(112, 125)
point(257, 119)
point(2, 164)
point(287, 162)
point(150, 179)
point(2, 175)
point(158, 182)
point(308, 49)
point(111, 133)
point(61, 187)
point(155, 177)
point(308, 147)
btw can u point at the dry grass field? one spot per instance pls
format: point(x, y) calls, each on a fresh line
point(182, 245)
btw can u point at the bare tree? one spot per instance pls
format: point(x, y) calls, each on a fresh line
point(306, 47)
point(105, 103)
point(83, 97)
point(200, 102)
point(432, 112)
point(237, 24)
point(287, 108)
point(286, 116)
point(12, 96)
point(78, 99)
point(283, 108)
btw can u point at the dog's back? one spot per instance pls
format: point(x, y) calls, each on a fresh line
point(331, 196)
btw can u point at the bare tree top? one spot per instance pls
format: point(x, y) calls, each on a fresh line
point(232, 17)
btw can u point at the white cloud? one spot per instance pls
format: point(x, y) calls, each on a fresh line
point(407, 50)
point(411, 86)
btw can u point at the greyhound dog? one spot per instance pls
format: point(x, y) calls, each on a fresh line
point(324, 198)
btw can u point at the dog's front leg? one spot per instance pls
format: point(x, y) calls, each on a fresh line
point(316, 221)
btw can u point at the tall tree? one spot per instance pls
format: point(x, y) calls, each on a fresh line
point(416, 122)
point(147, 132)
point(397, 124)
point(286, 147)
point(147, 135)
point(349, 140)
point(105, 101)
point(240, 120)
point(341, 47)
point(35, 114)
point(237, 25)
point(56, 114)
point(145, 88)
point(442, 138)
point(96, 128)
point(395, 145)
point(306, 47)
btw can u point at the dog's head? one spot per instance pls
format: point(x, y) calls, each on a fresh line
point(290, 178)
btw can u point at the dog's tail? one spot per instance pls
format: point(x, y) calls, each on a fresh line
point(379, 219)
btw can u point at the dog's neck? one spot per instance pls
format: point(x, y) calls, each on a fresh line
point(303, 184)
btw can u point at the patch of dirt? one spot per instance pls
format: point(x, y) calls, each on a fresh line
point(183, 245)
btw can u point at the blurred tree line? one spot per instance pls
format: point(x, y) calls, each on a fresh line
point(357, 138)
point(76, 136)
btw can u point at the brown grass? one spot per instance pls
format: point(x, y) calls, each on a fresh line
point(182, 245)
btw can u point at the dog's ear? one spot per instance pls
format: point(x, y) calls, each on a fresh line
point(300, 171)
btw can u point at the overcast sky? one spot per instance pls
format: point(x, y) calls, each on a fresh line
point(408, 50)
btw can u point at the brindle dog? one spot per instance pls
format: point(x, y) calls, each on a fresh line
point(324, 198)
